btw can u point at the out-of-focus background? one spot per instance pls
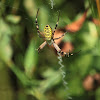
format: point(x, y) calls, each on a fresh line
point(27, 75)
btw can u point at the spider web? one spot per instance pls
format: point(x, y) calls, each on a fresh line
point(63, 74)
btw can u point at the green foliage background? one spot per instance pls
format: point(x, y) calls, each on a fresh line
point(27, 75)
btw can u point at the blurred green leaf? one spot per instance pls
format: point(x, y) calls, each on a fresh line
point(75, 86)
point(22, 77)
point(97, 61)
point(52, 78)
point(13, 19)
point(37, 93)
point(31, 58)
point(84, 67)
point(30, 7)
point(5, 51)
point(5, 29)
point(89, 36)
point(98, 94)
point(5, 47)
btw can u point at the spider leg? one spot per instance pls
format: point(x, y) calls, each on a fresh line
point(37, 26)
point(56, 24)
point(59, 50)
point(59, 37)
point(42, 46)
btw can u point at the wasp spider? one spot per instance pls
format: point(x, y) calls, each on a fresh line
point(48, 36)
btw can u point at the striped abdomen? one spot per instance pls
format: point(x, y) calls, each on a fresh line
point(48, 32)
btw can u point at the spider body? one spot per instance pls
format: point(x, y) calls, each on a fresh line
point(48, 35)
point(48, 32)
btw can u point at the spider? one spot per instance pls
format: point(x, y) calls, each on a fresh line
point(48, 36)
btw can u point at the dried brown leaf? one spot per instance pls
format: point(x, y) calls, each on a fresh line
point(67, 46)
point(96, 21)
point(76, 26)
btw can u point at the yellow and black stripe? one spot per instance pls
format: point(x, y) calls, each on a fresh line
point(48, 32)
